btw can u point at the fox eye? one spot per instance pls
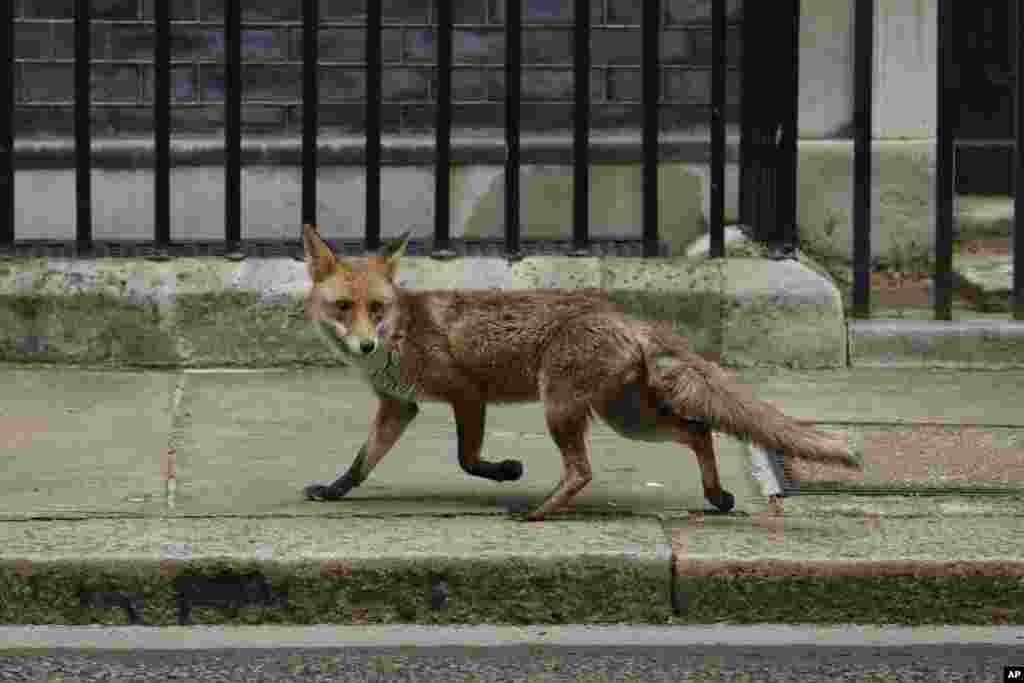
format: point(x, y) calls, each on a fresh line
point(343, 306)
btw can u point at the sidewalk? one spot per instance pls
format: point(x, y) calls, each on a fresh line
point(94, 529)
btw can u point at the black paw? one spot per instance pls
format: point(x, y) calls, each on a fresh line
point(321, 492)
point(723, 500)
point(510, 470)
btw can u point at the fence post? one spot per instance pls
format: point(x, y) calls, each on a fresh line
point(162, 124)
point(581, 131)
point(771, 33)
point(651, 124)
point(513, 88)
point(310, 107)
point(374, 69)
point(718, 81)
point(944, 161)
point(1018, 198)
point(83, 129)
point(864, 67)
point(233, 128)
point(7, 124)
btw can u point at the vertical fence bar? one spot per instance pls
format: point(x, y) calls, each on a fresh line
point(513, 88)
point(443, 132)
point(374, 71)
point(233, 125)
point(787, 187)
point(581, 128)
point(83, 131)
point(162, 124)
point(718, 80)
point(1018, 165)
point(7, 124)
point(864, 66)
point(651, 93)
point(944, 160)
point(310, 106)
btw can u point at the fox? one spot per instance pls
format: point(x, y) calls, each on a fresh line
point(574, 350)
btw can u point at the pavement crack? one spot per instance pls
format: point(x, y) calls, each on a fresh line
point(175, 442)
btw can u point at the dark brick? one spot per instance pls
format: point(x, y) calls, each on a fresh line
point(338, 83)
point(418, 46)
point(616, 116)
point(34, 121)
point(676, 47)
point(625, 84)
point(478, 115)
point(546, 116)
point(616, 46)
point(544, 84)
point(624, 12)
point(192, 43)
point(341, 44)
point(49, 9)
point(126, 42)
point(343, 10)
point(258, 119)
point(114, 83)
point(392, 45)
point(194, 120)
point(688, 86)
point(407, 11)
point(547, 46)
point(691, 11)
point(115, 9)
point(470, 84)
point(113, 121)
point(183, 84)
point(33, 40)
point(181, 10)
point(63, 41)
point(469, 11)
point(343, 118)
point(548, 11)
point(405, 84)
point(265, 82)
point(479, 47)
point(254, 10)
point(47, 82)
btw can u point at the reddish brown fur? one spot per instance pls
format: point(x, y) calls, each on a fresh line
point(572, 349)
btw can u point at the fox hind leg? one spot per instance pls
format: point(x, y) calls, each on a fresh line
point(636, 412)
point(469, 426)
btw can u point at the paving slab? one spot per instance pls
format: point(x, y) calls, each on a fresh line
point(354, 570)
point(248, 443)
point(83, 441)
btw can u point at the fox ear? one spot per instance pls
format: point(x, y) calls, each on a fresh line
point(391, 252)
point(320, 260)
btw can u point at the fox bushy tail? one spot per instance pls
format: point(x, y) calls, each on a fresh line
point(694, 387)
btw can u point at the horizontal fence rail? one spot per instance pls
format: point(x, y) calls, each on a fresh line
point(514, 246)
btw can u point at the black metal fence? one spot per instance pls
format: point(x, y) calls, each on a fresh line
point(945, 160)
point(442, 247)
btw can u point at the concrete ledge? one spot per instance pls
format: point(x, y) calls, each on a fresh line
point(963, 344)
point(203, 312)
point(329, 570)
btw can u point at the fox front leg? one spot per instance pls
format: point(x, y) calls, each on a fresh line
point(393, 416)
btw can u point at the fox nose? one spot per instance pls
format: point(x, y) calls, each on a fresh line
point(367, 346)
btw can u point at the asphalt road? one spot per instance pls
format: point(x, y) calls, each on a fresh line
point(533, 654)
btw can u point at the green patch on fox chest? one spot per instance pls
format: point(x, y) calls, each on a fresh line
point(383, 371)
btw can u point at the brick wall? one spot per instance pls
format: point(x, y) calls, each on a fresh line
point(122, 71)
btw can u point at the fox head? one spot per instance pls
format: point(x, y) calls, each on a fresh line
point(352, 301)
